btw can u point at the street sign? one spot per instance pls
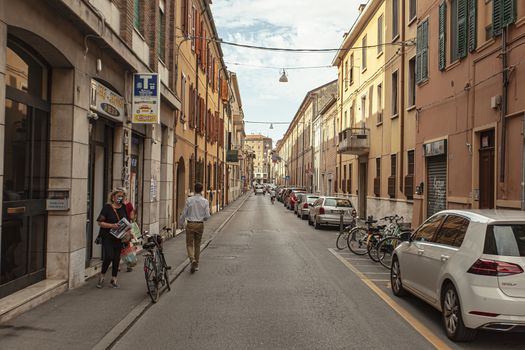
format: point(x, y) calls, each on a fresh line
point(106, 102)
point(146, 98)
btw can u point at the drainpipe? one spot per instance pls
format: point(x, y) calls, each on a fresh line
point(523, 164)
point(402, 103)
point(504, 95)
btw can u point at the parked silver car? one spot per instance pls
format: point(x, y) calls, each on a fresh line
point(305, 201)
point(326, 211)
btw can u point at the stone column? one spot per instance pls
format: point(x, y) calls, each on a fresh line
point(68, 158)
point(151, 198)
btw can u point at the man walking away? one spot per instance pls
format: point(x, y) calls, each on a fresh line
point(196, 211)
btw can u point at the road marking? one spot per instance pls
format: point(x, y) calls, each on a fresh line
point(377, 280)
point(375, 273)
point(401, 311)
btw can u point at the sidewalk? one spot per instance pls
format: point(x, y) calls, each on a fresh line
point(85, 317)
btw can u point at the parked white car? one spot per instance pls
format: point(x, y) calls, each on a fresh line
point(468, 264)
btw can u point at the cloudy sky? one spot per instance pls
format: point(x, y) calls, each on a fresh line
point(287, 24)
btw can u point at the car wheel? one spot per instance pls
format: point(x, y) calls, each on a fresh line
point(395, 279)
point(452, 319)
point(310, 221)
point(303, 217)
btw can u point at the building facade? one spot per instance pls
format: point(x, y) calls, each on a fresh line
point(328, 149)
point(261, 146)
point(470, 140)
point(377, 109)
point(67, 136)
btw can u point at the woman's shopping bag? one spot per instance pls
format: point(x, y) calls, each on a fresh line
point(128, 255)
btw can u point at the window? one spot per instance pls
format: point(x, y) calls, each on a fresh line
point(343, 184)
point(161, 37)
point(427, 230)
point(395, 18)
point(506, 240)
point(193, 27)
point(346, 120)
point(380, 34)
point(137, 14)
point(454, 30)
point(453, 231)
point(378, 167)
point(379, 103)
point(346, 75)
point(503, 14)
point(422, 52)
point(394, 94)
point(349, 181)
point(410, 165)
point(442, 35)
point(351, 69)
point(412, 9)
point(185, 17)
point(393, 164)
point(412, 82)
point(363, 53)
point(183, 98)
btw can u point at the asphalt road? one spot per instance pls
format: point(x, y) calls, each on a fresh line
point(270, 281)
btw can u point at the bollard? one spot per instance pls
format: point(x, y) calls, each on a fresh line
point(341, 214)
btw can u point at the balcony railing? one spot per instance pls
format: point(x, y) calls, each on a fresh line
point(354, 141)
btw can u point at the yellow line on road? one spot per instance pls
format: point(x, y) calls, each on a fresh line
point(407, 316)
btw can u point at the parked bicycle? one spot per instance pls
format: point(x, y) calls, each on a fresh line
point(155, 266)
point(362, 240)
point(342, 239)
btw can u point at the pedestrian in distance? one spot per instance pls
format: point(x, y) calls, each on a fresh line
point(195, 212)
point(112, 212)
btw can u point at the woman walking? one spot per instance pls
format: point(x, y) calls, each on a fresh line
point(112, 212)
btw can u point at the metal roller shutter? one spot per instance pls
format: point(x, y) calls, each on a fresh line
point(437, 184)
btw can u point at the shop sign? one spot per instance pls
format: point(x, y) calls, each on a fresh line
point(146, 98)
point(106, 102)
point(435, 148)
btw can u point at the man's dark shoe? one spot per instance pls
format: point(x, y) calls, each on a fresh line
point(194, 267)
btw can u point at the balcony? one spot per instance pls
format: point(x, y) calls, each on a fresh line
point(354, 141)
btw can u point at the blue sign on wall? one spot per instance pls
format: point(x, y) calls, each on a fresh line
point(146, 98)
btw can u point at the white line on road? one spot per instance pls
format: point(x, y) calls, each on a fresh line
point(407, 316)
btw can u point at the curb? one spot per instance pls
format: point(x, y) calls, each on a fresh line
point(120, 329)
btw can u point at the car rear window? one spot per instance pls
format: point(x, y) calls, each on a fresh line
point(333, 202)
point(506, 240)
point(311, 199)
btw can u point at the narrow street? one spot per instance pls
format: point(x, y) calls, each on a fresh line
point(270, 281)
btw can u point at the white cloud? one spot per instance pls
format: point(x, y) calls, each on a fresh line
point(287, 24)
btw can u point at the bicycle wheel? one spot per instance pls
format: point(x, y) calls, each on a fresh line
point(342, 239)
point(373, 241)
point(386, 249)
point(357, 240)
point(150, 272)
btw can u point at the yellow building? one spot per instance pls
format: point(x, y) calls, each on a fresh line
point(377, 109)
point(261, 146)
point(202, 86)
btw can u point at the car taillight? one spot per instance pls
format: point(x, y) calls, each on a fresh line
point(488, 267)
point(305, 205)
point(321, 211)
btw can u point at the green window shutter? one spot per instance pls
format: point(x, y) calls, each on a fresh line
point(461, 41)
point(442, 34)
point(424, 58)
point(472, 25)
point(497, 17)
point(509, 12)
point(419, 42)
point(136, 14)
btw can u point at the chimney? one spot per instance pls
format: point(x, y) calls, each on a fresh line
point(361, 8)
